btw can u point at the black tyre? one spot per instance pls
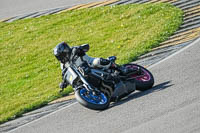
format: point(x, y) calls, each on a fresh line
point(144, 80)
point(91, 101)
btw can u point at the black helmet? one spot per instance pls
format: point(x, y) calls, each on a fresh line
point(62, 52)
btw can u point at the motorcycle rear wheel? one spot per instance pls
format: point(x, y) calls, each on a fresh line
point(145, 80)
point(91, 101)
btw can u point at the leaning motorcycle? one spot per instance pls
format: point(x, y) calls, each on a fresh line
point(95, 88)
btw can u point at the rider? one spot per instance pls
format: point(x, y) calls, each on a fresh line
point(63, 53)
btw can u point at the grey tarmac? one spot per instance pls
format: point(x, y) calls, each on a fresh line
point(12, 8)
point(171, 106)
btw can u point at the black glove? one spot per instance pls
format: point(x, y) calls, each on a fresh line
point(81, 53)
point(63, 85)
point(78, 51)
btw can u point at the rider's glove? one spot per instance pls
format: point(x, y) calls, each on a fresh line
point(63, 85)
point(78, 51)
point(81, 53)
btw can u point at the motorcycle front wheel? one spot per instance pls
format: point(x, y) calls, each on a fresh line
point(144, 80)
point(91, 100)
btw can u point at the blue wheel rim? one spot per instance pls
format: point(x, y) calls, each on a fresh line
point(100, 99)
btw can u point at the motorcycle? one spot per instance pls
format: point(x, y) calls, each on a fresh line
point(95, 88)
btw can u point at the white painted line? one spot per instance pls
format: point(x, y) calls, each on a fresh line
point(42, 117)
point(183, 49)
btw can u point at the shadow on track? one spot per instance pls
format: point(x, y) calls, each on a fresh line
point(138, 94)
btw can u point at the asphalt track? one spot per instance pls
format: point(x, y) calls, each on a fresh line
point(11, 8)
point(171, 106)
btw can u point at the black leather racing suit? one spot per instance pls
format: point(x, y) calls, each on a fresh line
point(92, 62)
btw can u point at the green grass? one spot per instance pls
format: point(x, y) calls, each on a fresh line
point(29, 72)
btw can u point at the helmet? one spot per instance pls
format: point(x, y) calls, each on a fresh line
point(62, 52)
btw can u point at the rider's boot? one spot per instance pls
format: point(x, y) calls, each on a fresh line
point(124, 70)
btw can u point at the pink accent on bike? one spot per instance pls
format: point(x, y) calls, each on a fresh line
point(144, 77)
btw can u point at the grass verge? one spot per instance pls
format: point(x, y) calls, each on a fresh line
point(29, 72)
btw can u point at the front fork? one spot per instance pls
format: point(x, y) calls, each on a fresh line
point(85, 83)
